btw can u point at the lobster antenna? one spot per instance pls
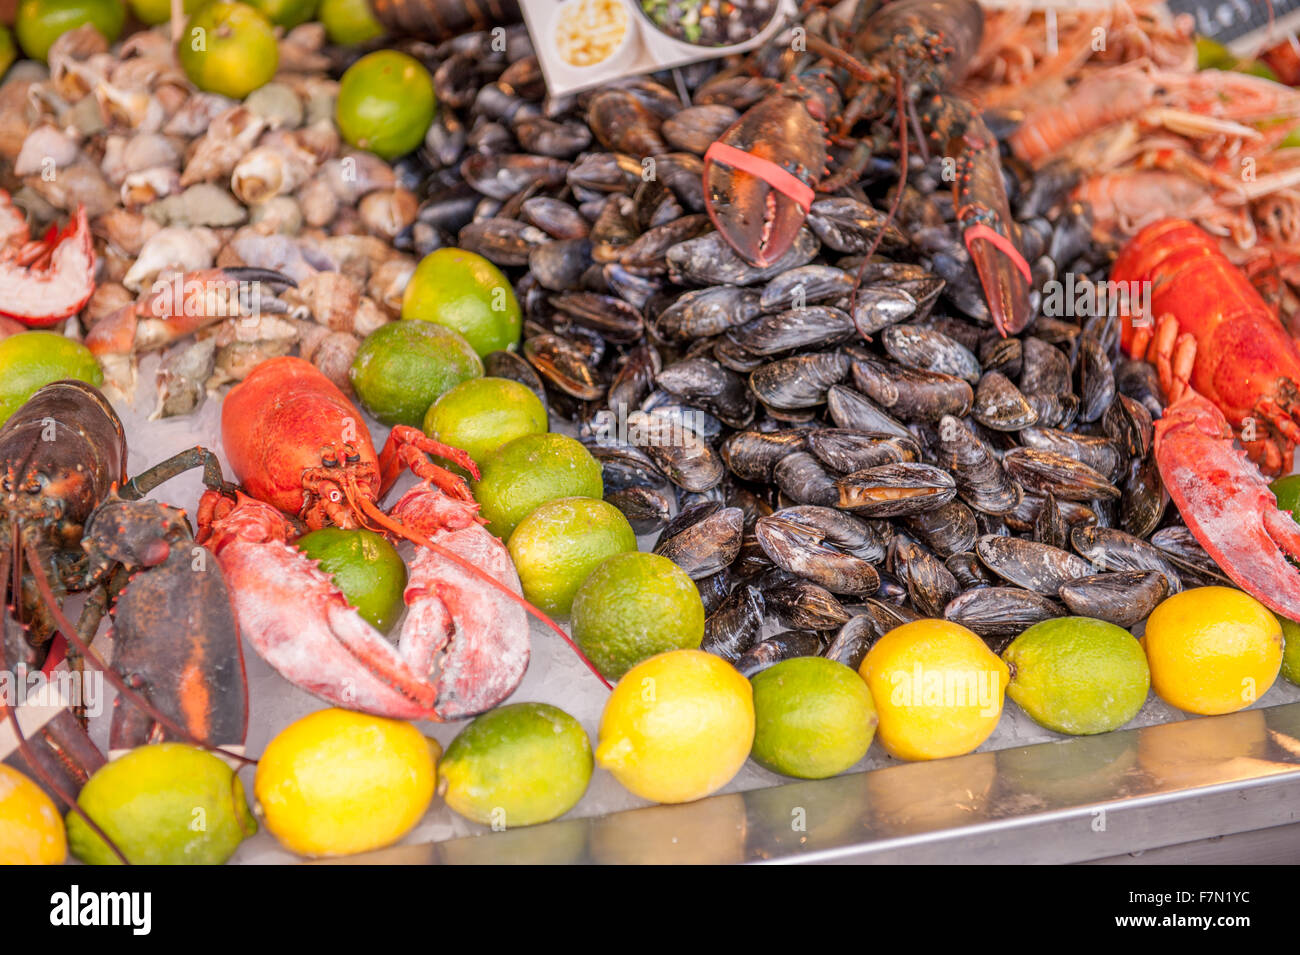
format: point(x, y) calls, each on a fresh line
point(24, 747)
point(898, 196)
point(415, 537)
point(69, 631)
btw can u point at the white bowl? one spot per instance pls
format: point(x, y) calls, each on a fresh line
point(683, 48)
point(621, 49)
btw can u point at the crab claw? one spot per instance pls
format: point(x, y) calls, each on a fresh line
point(759, 177)
point(51, 279)
point(174, 308)
point(1227, 505)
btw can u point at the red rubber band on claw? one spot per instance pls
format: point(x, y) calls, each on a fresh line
point(1003, 244)
point(779, 179)
point(58, 652)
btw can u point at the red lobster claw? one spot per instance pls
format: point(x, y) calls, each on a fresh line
point(757, 203)
point(1227, 504)
point(462, 649)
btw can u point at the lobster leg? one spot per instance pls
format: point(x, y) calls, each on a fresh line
point(406, 447)
point(177, 464)
point(92, 614)
point(1173, 353)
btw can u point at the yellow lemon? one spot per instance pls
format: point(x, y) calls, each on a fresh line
point(337, 782)
point(1212, 650)
point(938, 689)
point(677, 727)
point(31, 830)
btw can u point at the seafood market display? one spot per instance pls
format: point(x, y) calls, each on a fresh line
point(912, 350)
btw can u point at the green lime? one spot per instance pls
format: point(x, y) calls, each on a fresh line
point(465, 291)
point(287, 13)
point(1290, 649)
point(1257, 68)
point(365, 567)
point(30, 360)
point(523, 474)
point(813, 718)
point(480, 415)
point(229, 48)
point(40, 22)
point(385, 103)
point(404, 367)
point(154, 12)
point(518, 765)
point(1287, 491)
point(166, 804)
point(558, 545)
point(8, 53)
point(633, 606)
point(349, 22)
point(1213, 55)
point(1078, 675)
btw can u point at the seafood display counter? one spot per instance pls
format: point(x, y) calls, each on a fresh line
point(869, 440)
point(1218, 790)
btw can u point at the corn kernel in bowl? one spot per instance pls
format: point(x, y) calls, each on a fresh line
point(589, 31)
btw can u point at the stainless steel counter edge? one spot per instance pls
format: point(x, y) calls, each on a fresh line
point(1070, 801)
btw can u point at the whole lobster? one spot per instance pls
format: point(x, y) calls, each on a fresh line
point(1222, 356)
point(300, 448)
point(896, 68)
point(70, 521)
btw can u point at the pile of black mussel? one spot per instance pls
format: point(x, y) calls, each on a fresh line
point(829, 447)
